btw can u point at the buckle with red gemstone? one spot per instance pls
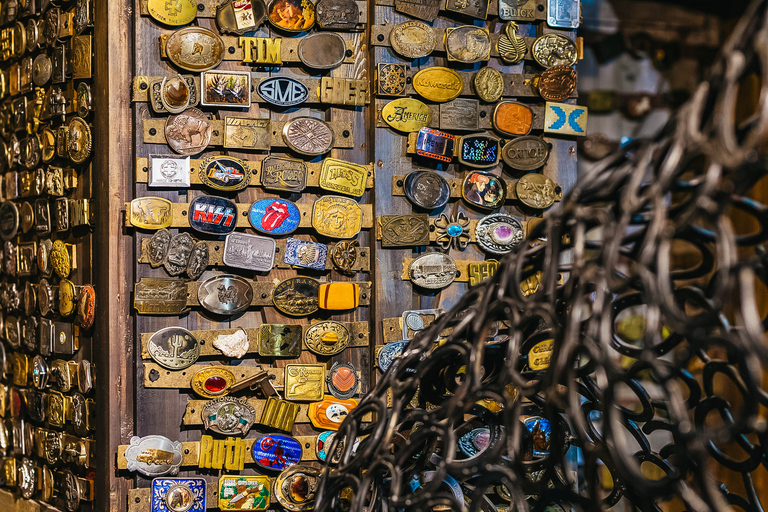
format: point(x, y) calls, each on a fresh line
point(212, 382)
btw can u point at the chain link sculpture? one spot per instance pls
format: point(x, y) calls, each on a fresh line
point(654, 383)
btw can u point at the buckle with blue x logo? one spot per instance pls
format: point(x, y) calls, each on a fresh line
point(565, 119)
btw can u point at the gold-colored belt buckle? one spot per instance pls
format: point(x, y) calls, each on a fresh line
point(226, 454)
point(279, 414)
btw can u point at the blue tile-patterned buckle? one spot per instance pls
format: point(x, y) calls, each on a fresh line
point(178, 495)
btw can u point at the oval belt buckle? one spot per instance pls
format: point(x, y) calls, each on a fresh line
point(175, 94)
point(154, 455)
point(295, 487)
point(327, 338)
point(214, 382)
point(342, 380)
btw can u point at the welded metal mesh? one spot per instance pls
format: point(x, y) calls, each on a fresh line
point(649, 284)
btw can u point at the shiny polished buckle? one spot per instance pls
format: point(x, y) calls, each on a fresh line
point(169, 171)
point(279, 414)
point(154, 455)
point(226, 453)
point(435, 144)
point(327, 338)
point(304, 382)
point(225, 294)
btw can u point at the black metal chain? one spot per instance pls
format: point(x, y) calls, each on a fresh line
point(656, 366)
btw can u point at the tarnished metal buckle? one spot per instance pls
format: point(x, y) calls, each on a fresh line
point(422, 9)
point(283, 174)
point(157, 296)
point(323, 50)
point(250, 252)
point(247, 133)
point(467, 44)
point(344, 255)
point(297, 296)
point(525, 153)
point(338, 15)
point(189, 132)
point(280, 340)
point(344, 91)
point(194, 49)
point(174, 348)
point(404, 230)
point(391, 79)
point(554, 50)
point(308, 136)
point(228, 416)
point(537, 191)
point(460, 114)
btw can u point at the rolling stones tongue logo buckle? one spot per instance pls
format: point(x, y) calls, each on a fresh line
point(274, 216)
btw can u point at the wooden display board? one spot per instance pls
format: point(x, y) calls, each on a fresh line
point(127, 406)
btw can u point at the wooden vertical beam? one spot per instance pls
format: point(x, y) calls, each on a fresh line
point(112, 249)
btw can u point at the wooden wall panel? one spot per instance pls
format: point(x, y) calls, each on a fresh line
point(160, 411)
